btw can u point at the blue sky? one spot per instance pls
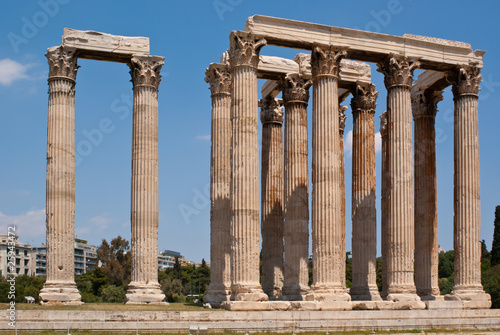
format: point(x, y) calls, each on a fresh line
point(190, 35)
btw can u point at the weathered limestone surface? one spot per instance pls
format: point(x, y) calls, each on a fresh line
point(244, 188)
point(102, 46)
point(296, 95)
point(342, 118)
point(272, 197)
point(326, 202)
point(219, 78)
point(60, 286)
point(467, 219)
point(433, 53)
point(398, 76)
point(426, 228)
point(364, 223)
point(384, 209)
point(144, 287)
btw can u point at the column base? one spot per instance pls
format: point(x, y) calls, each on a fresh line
point(472, 298)
point(406, 300)
point(248, 293)
point(323, 293)
point(274, 293)
point(60, 293)
point(365, 294)
point(145, 294)
point(294, 292)
point(216, 295)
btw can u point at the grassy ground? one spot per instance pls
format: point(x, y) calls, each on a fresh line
point(110, 307)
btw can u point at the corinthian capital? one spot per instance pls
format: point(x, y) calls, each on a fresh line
point(145, 70)
point(271, 110)
point(295, 88)
point(219, 78)
point(342, 118)
point(244, 49)
point(465, 80)
point(424, 103)
point(364, 99)
point(62, 62)
point(397, 70)
point(325, 60)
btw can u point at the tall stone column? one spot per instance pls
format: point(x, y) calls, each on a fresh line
point(342, 265)
point(144, 287)
point(326, 202)
point(384, 185)
point(364, 216)
point(296, 95)
point(244, 189)
point(219, 78)
point(60, 286)
point(467, 219)
point(271, 116)
point(424, 107)
point(398, 77)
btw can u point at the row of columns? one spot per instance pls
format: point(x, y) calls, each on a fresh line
point(60, 208)
point(285, 185)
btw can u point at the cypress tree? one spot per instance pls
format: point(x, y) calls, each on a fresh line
point(495, 247)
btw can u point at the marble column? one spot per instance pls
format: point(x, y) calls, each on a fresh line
point(364, 216)
point(144, 287)
point(219, 78)
point(60, 285)
point(398, 77)
point(244, 187)
point(296, 95)
point(383, 202)
point(326, 202)
point(272, 196)
point(467, 219)
point(424, 105)
point(342, 265)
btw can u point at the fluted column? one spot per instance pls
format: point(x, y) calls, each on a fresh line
point(424, 105)
point(144, 287)
point(398, 77)
point(60, 286)
point(272, 196)
point(326, 202)
point(342, 118)
point(244, 188)
point(219, 78)
point(384, 185)
point(296, 95)
point(467, 219)
point(364, 217)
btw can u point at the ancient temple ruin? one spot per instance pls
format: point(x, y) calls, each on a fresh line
point(335, 69)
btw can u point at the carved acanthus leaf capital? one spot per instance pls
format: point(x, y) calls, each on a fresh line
point(62, 62)
point(384, 123)
point(424, 103)
point(465, 80)
point(397, 70)
point(271, 110)
point(364, 99)
point(145, 70)
point(219, 78)
point(326, 60)
point(295, 87)
point(244, 49)
point(342, 118)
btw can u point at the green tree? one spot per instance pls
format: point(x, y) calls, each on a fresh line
point(348, 269)
point(113, 293)
point(446, 264)
point(172, 288)
point(492, 285)
point(116, 260)
point(495, 247)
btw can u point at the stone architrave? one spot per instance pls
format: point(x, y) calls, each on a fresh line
point(272, 197)
point(144, 287)
point(467, 219)
point(424, 105)
point(398, 77)
point(219, 78)
point(364, 217)
point(342, 265)
point(244, 187)
point(384, 186)
point(326, 202)
point(60, 286)
point(296, 231)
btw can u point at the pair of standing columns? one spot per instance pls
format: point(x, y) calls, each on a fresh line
point(60, 286)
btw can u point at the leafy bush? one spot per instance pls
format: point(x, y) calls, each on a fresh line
point(113, 293)
point(90, 298)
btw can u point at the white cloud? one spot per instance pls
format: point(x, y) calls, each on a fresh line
point(348, 143)
point(10, 71)
point(97, 224)
point(203, 137)
point(29, 226)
